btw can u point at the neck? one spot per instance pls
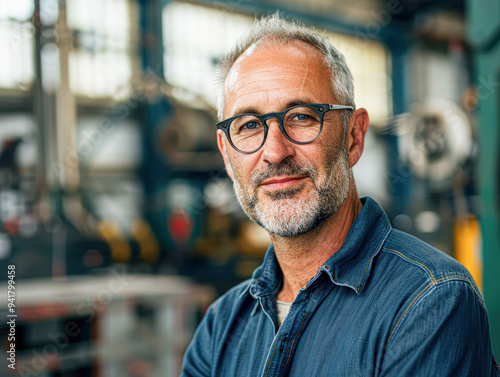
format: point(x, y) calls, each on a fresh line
point(301, 257)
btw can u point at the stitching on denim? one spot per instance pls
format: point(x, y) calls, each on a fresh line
point(357, 286)
point(405, 257)
point(406, 311)
point(340, 281)
point(271, 359)
point(330, 271)
point(215, 307)
point(463, 279)
point(474, 289)
point(307, 311)
point(452, 276)
point(366, 271)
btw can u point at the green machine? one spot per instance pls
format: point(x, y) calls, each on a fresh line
point(484, 37)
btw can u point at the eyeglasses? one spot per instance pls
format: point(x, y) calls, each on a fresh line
point(300, 124)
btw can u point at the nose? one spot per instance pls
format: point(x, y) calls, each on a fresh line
point(277, 147)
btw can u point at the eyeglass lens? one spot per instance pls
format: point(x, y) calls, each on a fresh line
point(301, 124)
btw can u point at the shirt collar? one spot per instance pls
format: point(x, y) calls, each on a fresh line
point(268, 277)
point(350, 266)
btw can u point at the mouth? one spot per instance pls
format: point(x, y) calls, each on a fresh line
point(282, 182)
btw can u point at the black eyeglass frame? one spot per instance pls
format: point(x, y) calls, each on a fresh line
point(321, 108)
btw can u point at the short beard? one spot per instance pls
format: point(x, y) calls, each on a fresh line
point(289, 217)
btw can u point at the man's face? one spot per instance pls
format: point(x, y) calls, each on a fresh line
point(285, 187)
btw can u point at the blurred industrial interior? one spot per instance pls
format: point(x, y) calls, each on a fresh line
point(115, 208)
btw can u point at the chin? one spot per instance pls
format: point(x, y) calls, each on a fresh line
point(288, 217)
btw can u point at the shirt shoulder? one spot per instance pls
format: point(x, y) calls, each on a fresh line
point(431, 264)
point(441, 316)
point(415, 269)
point(229, 301)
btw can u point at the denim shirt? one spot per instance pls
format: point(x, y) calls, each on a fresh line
point(385, 304)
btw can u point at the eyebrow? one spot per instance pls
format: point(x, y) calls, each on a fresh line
point(254, 110)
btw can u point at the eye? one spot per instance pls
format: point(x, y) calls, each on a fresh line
point(250, 125)
point(301, 117)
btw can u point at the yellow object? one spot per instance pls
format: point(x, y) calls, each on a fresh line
point(467, 240)
point(141, 231)
point(111, 232)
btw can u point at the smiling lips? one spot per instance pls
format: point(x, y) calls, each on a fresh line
point(282, 182)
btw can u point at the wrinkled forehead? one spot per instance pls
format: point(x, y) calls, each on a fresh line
point(276, 70)
point(278, 54)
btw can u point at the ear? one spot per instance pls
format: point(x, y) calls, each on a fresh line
point(221, 143)
point(355, 137)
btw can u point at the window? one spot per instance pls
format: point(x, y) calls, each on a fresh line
point(194, 38)
point(16, 44)
point(101, 62)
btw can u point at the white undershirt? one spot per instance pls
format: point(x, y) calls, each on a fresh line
point(283, 308)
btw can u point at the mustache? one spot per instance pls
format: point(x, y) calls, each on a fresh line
point(286, 168)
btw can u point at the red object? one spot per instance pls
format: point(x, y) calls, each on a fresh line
point(11, 226)
point(180, 226)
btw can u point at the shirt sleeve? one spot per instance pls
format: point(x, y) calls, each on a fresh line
point(198, 357)
point(444, 332)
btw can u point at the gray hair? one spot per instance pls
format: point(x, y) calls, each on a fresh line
point(279, 31)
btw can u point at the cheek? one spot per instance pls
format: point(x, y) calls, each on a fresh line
point(242, 166)
point(332, 138)
point(326, 152)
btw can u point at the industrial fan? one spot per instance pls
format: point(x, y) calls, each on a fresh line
point(435, 139)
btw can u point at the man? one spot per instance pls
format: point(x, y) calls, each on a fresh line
point(340, 293)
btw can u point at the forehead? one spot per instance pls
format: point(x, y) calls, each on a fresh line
point(267, 77)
